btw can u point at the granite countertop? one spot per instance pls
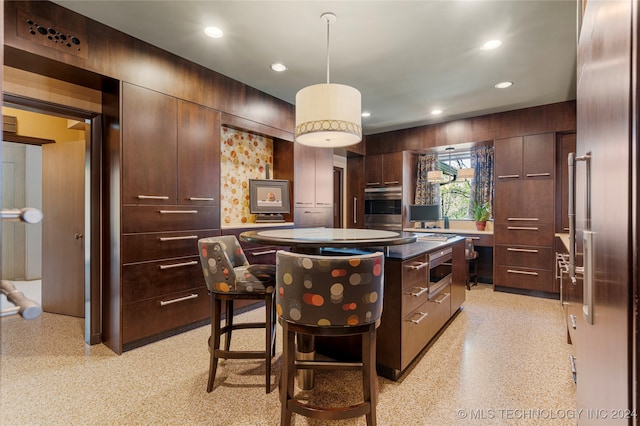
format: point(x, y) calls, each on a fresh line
point(465, 231)
point(407, 251)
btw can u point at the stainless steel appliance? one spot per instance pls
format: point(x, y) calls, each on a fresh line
point(383, 208)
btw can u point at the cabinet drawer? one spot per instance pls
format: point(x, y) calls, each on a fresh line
point(524, 233)
point(416, 333)
point(439, 310)
point(524, 278)
point(168, 218)
point(313, 216)
point(415, 271)
point(153, 279)
point(524, 256)
point(144, 247)
point(480, 240)
point(152, 316)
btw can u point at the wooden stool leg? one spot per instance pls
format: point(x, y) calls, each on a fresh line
point(269, 337)
point(287, 375)
point(369, 375)
point(229, 323)
point(214, 340)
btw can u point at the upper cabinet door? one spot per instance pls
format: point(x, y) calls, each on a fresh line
point(539, 156)
point(304, 170)
point(373, 170)
point(324, 177)
point(149, 146)
point(198, 154)
point(508, 158)
point(392, 169)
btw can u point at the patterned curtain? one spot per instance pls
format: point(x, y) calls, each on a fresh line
point(482, 184)
point(427, 193)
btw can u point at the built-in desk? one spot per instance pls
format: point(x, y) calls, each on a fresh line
point(482, 240)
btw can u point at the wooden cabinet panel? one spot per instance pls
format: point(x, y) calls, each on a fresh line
point(524, 256)
point(162, 245)
point(168, 218)
point(149, 317)
point(539, 156)
point(155, 279)
point(313, 186)
point(324, 178)
point(355, 192)
point(384, 169)
point(198, 155)
point(566, 144)
point(524, 278)
point(508, 158)
point(416, 333)
point(533, 234)
point(304, 176)
point(149, 148)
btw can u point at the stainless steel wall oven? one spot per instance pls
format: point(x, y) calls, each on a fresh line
point(383, 208)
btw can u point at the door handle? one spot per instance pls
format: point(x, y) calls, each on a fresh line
point(78, 236)
point(27, 215)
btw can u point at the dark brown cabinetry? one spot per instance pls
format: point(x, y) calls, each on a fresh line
point(355, 192)
point(313, 186)
point(419, 299)
point(170, 199)
point(524, 212)
point(384, 169)
point(566, 145)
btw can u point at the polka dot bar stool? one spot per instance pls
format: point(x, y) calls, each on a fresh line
point(230, 277)
point(329, 296)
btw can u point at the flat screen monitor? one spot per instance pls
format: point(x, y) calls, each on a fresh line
point(424, 213)
point(269, 199)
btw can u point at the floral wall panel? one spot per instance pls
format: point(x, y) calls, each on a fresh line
point(243, 156)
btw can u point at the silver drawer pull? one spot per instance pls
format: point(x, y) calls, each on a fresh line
point(422, 291)
point(508, 176)
point(418, 265)
point(514, 271)
point(522, 228)
point(153, 197)
point(444, 297)
point(538, 174)
point(324, 204)
point(201, 198)
point(178, 211)
point(522, 250)
point(573, 321)
point(311, 212)
point(523, 219)
point(373, 183)
point(300, 203)
point(391, 182)
point(473, 238)
point(572, 361)
point(423, 315)
point(179, 265)
point(179, 299)
point(186, 237)
point(262, 253)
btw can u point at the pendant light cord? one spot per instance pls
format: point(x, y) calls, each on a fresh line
point(328, 23)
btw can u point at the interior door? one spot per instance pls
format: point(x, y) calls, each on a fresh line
point(63, 204)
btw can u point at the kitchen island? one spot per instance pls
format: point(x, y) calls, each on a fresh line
point(424, 289)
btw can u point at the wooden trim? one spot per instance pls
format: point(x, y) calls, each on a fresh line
point(14, 137)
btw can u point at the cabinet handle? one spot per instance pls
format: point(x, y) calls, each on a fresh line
point(187, 237)
point(178, 211)
point(419, 293)
point(522, 228)
point(444, 297)
point(179, 265)
point(153, 197)
point(573, 321)
point(572, 362)
point(179, 299)
point(373, 183)
point(514, 271)
point(311, 212)
point(355, 210)
point(200, 198)
point(508, 176)
point(522, 250)
point(262, 253)
point(523, 219)
point(300, 203)
point(418, 265)
point(538, 174)
point(391, 182)
point(423, 315)
point(324, 204)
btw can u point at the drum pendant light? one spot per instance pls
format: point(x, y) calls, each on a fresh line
point(328, 115)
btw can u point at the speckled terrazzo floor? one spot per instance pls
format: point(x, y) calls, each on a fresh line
point(503, 360)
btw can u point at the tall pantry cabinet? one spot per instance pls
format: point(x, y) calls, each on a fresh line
point(170, 198)
point(524, 212)
point(313, 186)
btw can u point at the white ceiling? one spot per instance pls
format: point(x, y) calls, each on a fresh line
point(405, 57)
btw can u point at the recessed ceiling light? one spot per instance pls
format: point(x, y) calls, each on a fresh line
point(213, 32)
point(278, 67)
point(366, 114)
point(436, 112)
point(491, 44)
point(504, 85)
